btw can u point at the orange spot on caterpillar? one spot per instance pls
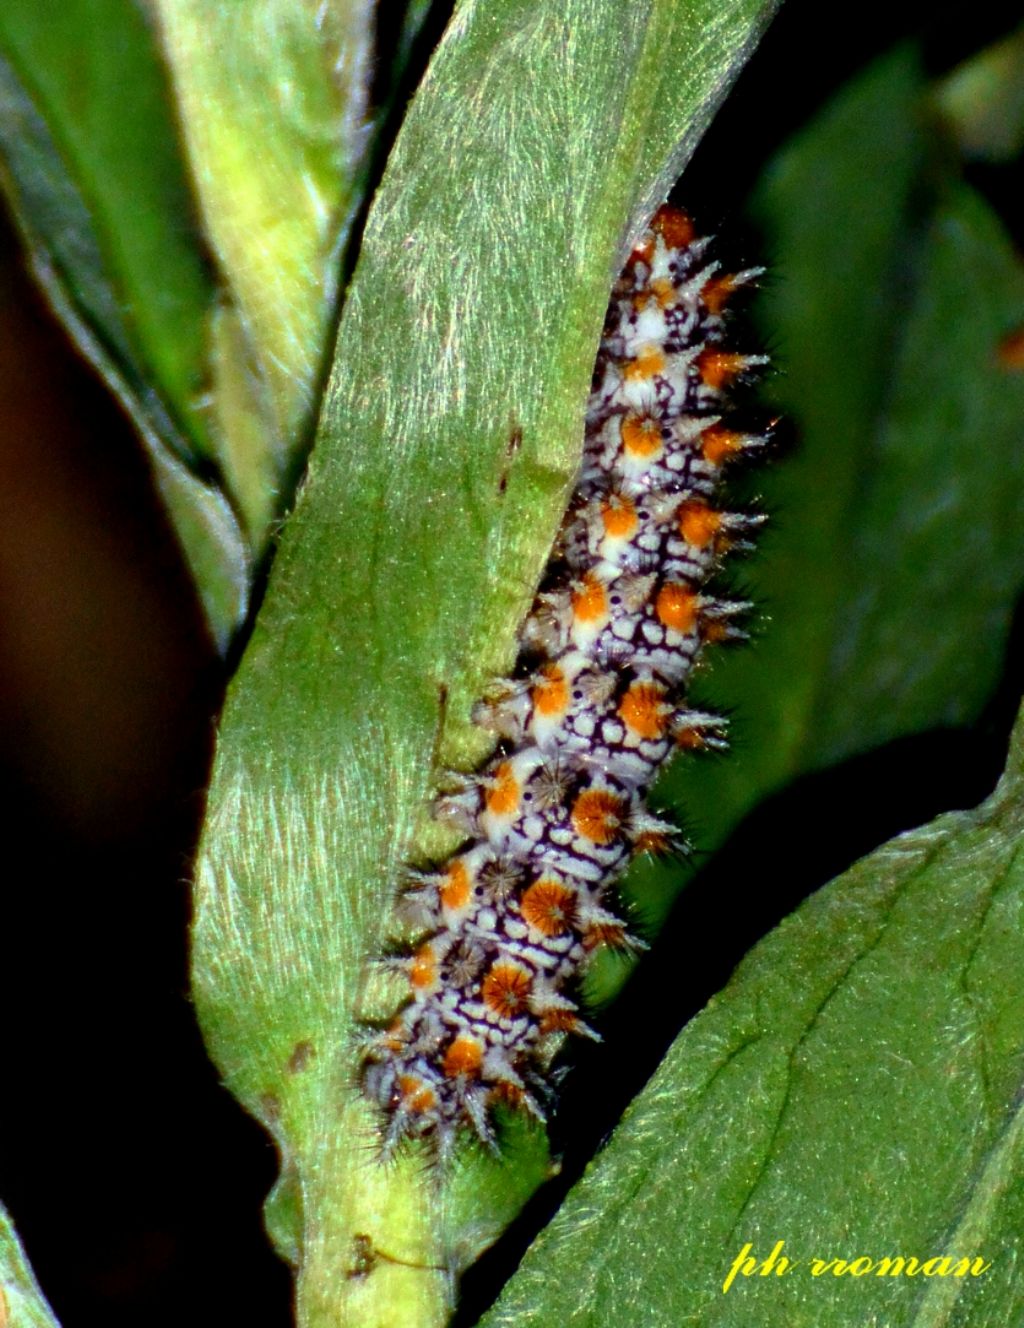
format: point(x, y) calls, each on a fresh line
point(456, 890)
point(674, 226)
point(604, 933)
point(718, 444)
point(641, 436)
point(698, 523)
point(590, 600)
point(506, 988)
point(717, 368)
point(648, 364)
point(503, 795)
point(509, 1094)
point(618, 516)
point(652, 841)
point(423, 968)
point(716, 292)
point(715, 631)
point(464, 1056)
point(597, 815)
point(559, 1020)
point(642, 251)
point(642, 710)
point(417, 1096)
point(661, 292)
point(664, 292)
point(677, 607)
point(548, 906)
point(395, 1038)
point(551, 696)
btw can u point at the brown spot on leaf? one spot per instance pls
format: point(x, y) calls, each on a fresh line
point(364, 1256)
point(270, 1108)
point(442, 716)
point(515, 442)
point(302, 1053)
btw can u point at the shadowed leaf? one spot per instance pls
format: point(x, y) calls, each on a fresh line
point(855, 1091)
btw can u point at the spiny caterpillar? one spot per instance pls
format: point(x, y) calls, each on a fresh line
point(595, 710)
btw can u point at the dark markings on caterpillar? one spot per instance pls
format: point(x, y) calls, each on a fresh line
point(596, 706)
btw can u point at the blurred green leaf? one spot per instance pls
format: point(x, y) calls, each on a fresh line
point(21, 1302)
point(90, 150)
point(413, 22)
point(89, 164)
point(893, 563)
point(855, 1091)
point(541, 138)
point(220, 382)
point(982, 101)
point(272, 96)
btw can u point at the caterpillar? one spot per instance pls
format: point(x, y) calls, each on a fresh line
point(597, 705)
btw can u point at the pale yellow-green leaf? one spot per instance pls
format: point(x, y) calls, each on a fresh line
point(21, 1302)
point(272, 100)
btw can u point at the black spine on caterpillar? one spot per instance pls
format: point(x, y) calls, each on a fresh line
point(606, 654)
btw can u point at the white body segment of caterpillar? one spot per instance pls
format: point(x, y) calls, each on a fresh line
point(621, 619)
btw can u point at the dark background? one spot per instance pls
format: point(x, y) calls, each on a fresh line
point(134, 1179)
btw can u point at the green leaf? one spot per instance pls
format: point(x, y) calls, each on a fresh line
point(218, 559)
point(272, 97)
point(21, 1302)
point(855, 1092)
point(541, 138)
point(892, 565)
